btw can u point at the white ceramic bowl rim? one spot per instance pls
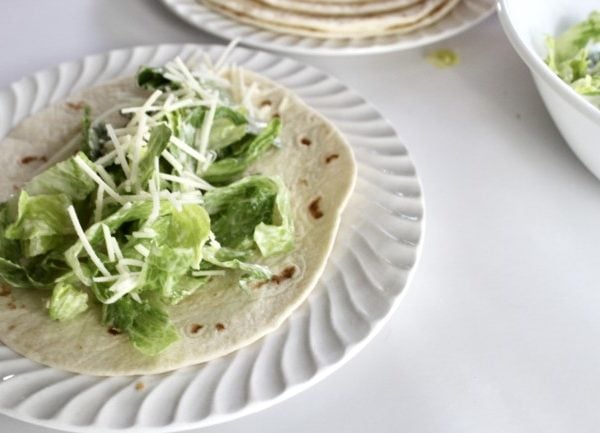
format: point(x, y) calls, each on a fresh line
point(539, 67)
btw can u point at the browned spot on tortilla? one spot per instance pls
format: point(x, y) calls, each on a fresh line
point(33, 158)
point(286, 274)
point(12, 306)
point(11, 327)
point(5, 290)
point(303, 182)
point(314, 208)
point(331, 158)
point(139, 386)
point(113, 331)
point(75, 105)
point(220, 327)
point(265, 103)
point(305, 141)
point(195, 327)
point(276, 116)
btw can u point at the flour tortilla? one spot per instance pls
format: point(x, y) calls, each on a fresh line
point(356, 8)
point(220, 318)
point(401, 21)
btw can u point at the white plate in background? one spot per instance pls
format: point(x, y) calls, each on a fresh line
point(465, 15)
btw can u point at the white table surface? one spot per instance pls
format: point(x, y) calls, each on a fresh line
point(500, 330)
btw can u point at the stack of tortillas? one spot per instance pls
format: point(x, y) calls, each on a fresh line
point(336, 18)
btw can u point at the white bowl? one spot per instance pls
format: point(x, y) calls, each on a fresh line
point(527, 23)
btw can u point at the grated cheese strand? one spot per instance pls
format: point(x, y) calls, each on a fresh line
point(99, 205)
point(168, 156)
point(131, 262)
point(85, 242)
point(94, 176)
point(221, 61)
point(124, 285)
point(120, 151)
point(187, 149)
point(155, 191)
point(110, 249)
point(205, 133)
point(142, 250)
point(208, 273)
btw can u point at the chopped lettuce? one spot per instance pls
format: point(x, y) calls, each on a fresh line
point(152, 78)
point(63, 178)
point(229, 126)
point(574, 55)
point(42, 223)
point(94, 137)
point(254, 210)
point(158, 141)
point(147, 325)
point(66, 302)
point(142, 225)
point(235, 159)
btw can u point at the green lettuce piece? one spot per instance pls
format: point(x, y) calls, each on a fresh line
point(16, 275)
point(570, 58)
point(41, 215)
point(278, 237)
point(588, 85)
point(569, 43)
point(237, 209)
point(63, 178)
point(158, 141)
point(139, 211)
point(233, 163)
point(164, 268)
point(153, 78)
point(10, 249)
point(147, 325)
point(67, 302)
point(93, 137)
point(188, 228)
point(177, 248)
point(229, 259)
point(222, 258)
point(42, 244)
point(43, 222)
point(254, 210)
point(229, 126)
point(15, 271)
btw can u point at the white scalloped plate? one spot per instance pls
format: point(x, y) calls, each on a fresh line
point(374, 255)
point(465, 15)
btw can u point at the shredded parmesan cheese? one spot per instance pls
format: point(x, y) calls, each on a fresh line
point(84, 241)
point(92, 174)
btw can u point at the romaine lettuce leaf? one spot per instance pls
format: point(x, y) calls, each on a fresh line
point(229, 126)
point(253, 210)
point(233, 163)
point(159, 139)
point(66, 302)
point(153, 78)
point(147, 325)
point(176, 248)
point(66, 178)
point(277, 237)
point(93, 138)
point(43, 222)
